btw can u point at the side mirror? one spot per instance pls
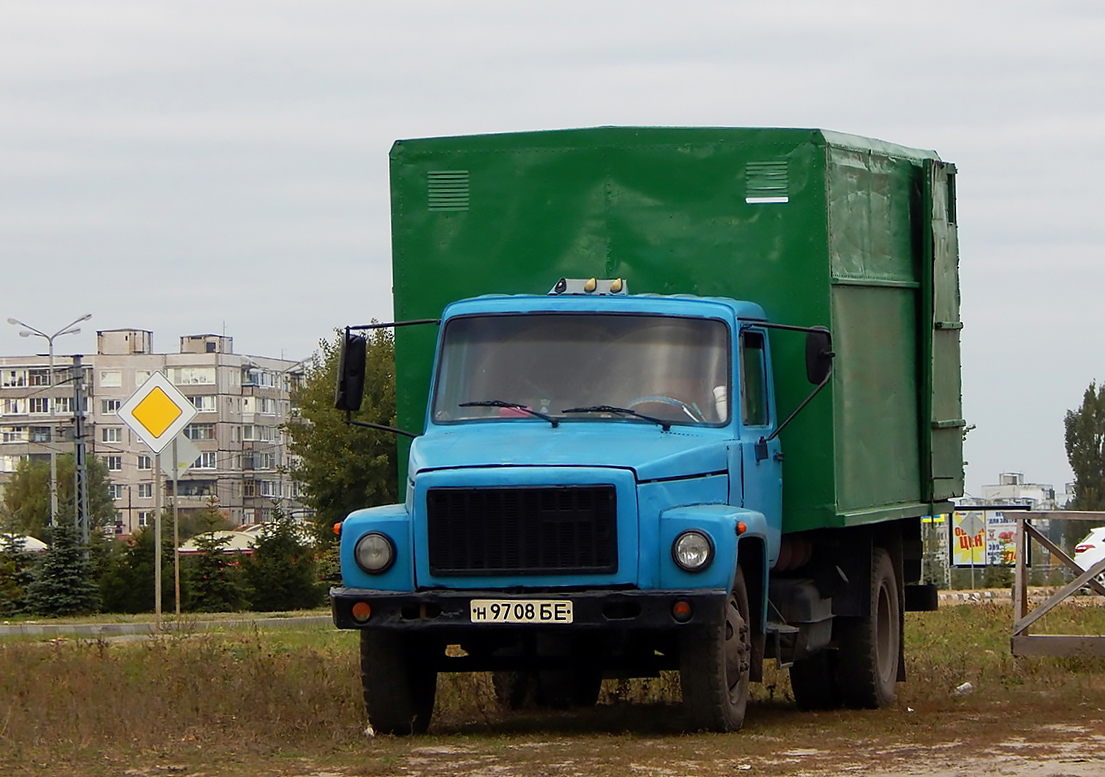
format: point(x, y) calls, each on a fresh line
point(349, 389)
point(819, 355)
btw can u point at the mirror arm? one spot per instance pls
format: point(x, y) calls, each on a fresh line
point(379, 427)
point(394, 324)
point(798, 409)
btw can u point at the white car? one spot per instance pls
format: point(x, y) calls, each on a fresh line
point(1091, 549)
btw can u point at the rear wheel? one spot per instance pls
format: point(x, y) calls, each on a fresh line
point(399, 681)
point(714, 667)
point(870, 646)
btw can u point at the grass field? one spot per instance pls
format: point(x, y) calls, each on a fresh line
point(288, 702)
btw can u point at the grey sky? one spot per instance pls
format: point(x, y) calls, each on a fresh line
point(196, 167)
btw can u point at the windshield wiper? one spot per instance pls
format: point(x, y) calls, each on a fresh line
point(513, 406)
point(665, 425)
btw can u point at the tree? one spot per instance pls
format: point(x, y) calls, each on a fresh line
point(17, 568)
point(27, 496)
point(281, 573)
point(127, 583)
point(212, 577)
point(1085, 443)
point(343, 467)
point(64, 583)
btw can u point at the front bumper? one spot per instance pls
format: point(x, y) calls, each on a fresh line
point(594, 610)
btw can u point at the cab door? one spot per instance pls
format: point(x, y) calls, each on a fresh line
point(761, 460)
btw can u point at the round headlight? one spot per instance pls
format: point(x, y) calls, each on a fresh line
point(692, 551)
point(375, 553)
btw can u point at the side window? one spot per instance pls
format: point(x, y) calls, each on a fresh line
point(753, 379)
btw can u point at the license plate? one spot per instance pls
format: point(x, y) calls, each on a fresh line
point(521, 611)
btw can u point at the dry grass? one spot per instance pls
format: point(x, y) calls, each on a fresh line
point(284, 695)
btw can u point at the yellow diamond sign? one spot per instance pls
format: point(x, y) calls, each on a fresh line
point(157, 412)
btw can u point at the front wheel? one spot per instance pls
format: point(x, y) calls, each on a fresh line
point(714, 667)
point(399, 681)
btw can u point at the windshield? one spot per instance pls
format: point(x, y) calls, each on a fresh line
point(662, 368)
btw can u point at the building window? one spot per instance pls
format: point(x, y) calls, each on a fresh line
point(111, 433)
point(40, 434)
point(205, 403)
point(13, 406)
point(116, 490)
point(40, 405)
point(114, 463)
point(200, 431)
point(195, 487)
point(249, 488)
point(39, 377)
point(145, 490)
point(13, 378)
point(111, 379)
point(110, 406)
point(145, 518)
point(13, 434)
point(145, 462)
point(63, 405)
point(206, 460)
point(191, 376)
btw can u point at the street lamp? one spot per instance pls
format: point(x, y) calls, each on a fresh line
point(68, 329)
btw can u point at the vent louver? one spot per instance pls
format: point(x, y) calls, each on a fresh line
point(766, 182)
point(448, 190)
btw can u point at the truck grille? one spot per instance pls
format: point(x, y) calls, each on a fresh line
point(556, 530)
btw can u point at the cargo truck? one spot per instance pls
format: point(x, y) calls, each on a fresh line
point(688, 396)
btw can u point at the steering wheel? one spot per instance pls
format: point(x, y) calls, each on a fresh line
point(659, 399)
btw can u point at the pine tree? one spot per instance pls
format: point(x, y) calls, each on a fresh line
point(281, 573)
point(64, 582)
point(212, 577)
point(16, 573)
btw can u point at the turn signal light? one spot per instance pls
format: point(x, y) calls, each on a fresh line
point(337, 528)
point(682, 611)
point(742, 527)
point(362, 611)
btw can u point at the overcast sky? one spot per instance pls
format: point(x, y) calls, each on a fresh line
point(196, 167)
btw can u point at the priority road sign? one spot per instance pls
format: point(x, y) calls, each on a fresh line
point(157, 412)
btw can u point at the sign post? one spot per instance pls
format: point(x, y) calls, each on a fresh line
point(157, 412)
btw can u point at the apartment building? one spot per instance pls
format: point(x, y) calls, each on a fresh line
point(242, 400)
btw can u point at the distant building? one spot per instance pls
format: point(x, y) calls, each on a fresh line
point(1012, 490)
point(242, 402)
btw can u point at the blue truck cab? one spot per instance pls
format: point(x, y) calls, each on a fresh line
point(595, 468)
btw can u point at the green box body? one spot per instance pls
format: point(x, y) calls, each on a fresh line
point(819, 228)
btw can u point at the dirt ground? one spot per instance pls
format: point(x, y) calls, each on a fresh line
point(1024, 739)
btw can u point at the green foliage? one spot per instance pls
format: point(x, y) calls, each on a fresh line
point(281, 574)
point(342, 467)
point(16, 574)
point(64, 582)
point(27, 496)
point(127, 583)
point(1085, 443)
point(211, 578)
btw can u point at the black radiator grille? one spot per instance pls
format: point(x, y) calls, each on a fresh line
point(556, 530)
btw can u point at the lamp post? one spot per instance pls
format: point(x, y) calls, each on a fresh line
point(68, 329)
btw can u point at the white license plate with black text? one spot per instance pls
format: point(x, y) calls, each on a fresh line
point(521, 611)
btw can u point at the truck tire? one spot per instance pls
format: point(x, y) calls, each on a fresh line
point(714, 667)
point(814, 682)
point(399, 681)
point(867, 660)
